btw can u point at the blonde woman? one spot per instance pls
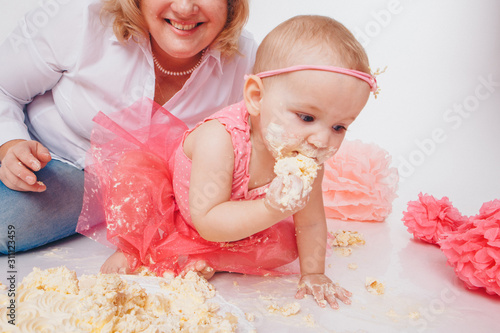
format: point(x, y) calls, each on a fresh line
point(89, 56)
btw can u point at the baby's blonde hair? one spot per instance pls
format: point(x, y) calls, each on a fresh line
point(296, 40)
point(129, 23)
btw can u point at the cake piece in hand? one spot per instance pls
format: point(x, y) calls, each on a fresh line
point(301, 166)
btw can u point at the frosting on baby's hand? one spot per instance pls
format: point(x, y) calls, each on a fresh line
point(323, 290)
point(286, 194)
point(290, 189)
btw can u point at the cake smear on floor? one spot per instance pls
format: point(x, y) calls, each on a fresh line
point(55, 300)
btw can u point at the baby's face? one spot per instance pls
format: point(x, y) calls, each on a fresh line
point(309, 111)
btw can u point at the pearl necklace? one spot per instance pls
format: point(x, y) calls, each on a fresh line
point(189, 71)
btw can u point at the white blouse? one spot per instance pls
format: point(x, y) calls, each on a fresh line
point(64, 69)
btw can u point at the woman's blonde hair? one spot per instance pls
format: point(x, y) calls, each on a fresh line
point(129, 23)
point(294, 41)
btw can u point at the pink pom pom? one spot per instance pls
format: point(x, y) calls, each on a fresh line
point(489, 211)
point(359, 183)
point(432, 220)
point(474, 253)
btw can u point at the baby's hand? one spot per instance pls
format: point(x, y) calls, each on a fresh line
point(323, 290)
point(287, 194)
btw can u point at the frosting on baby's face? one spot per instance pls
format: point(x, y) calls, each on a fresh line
point(308, 112)
point(284, 143)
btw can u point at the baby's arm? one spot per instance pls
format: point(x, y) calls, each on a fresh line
point(311, 231)
point(214, 215)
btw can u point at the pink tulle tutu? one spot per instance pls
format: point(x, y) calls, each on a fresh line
point(472, 245)
point(359, 183)
point(129, 202)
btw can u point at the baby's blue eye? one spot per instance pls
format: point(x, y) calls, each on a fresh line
point(305, 117)
point(339, 128)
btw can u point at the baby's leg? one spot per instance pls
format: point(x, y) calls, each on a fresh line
point(116, 263)
point(201, 267)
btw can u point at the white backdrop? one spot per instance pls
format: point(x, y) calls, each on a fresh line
point(438, 112)
point(438, 115)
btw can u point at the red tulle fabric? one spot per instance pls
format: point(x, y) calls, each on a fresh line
point(471, 245)
point(359, 183)
point(129, 198)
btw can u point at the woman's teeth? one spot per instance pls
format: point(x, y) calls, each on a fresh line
point(184, 27)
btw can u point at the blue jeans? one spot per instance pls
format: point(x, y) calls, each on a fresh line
point(41, 218)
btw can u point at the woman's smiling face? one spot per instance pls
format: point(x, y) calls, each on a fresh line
point(183, 28)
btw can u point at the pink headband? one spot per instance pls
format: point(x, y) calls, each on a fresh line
point(368, 78)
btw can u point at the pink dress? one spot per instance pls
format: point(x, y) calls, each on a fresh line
point(144, 193)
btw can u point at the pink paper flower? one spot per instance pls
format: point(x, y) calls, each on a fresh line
point(489, 211)
point(432, 220)
point(474, 252)
point(359, 183)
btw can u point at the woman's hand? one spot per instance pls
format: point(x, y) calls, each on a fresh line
point(323, 290)
point(19, 159)
point(287, 194)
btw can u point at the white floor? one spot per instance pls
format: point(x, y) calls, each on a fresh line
point(416, 277)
